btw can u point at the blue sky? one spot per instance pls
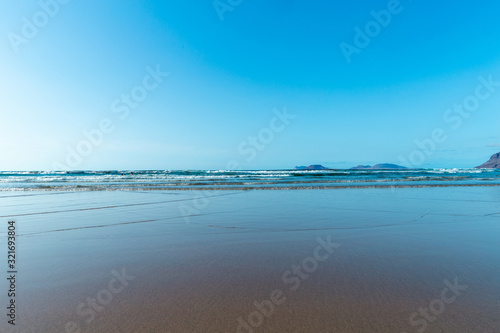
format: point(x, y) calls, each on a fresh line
point(227, 79)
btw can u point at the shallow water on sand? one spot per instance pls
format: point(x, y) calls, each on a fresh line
point(200, 261)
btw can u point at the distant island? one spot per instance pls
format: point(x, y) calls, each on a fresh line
point(311, 167)
point(492, 163)
point(380, 166)
point(360, 167)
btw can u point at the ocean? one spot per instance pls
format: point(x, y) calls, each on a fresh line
point(242, 179)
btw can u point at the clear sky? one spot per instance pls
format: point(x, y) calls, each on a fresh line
point(256, 84)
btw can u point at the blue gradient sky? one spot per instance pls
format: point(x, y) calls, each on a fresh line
point(227, 76)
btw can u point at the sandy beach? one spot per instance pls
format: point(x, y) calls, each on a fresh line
point(347, 260)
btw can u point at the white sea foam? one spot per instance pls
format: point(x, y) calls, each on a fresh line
point(146, 179)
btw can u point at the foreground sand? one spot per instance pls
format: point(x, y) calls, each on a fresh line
point(347, 260)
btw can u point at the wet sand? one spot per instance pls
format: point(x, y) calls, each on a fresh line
point(349, 260)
